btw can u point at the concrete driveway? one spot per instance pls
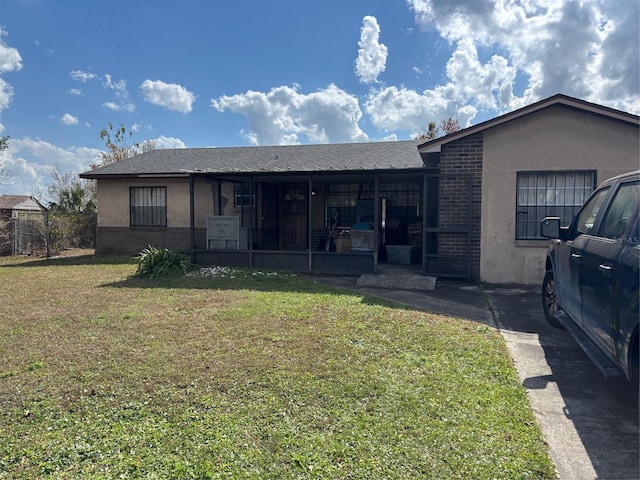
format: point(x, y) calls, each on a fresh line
point(589, 423)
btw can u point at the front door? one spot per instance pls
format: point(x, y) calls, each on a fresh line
point(294, 217)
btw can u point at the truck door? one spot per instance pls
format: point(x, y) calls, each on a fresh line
point(570, 255)
point(599, 266)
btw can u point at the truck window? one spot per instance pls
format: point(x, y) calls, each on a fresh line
point(588, 215)
point(620, 212)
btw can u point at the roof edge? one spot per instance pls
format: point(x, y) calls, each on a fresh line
point(557, 99)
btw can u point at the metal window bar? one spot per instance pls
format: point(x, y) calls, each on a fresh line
point(149, 206)
point(543, 194)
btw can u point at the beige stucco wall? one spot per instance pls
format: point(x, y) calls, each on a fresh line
point(554, 139)
point(115, 194)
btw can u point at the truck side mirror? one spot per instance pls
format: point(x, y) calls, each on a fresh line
point(550, 227)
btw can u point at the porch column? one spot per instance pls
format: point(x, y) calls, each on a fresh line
point(376, 222)
point(309, 220)
point(252, 215)
point(192, 218)
point(424, 222)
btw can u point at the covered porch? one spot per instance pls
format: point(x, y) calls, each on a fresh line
point(369, 222)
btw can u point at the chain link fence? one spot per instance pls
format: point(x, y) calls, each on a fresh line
point(46, 234)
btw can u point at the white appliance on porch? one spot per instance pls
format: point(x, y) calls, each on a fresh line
point(225, 233)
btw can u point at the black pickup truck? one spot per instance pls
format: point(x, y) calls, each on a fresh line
point(591, 282)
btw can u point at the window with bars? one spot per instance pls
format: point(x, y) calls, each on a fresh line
point(148, 206)
point(549, 194)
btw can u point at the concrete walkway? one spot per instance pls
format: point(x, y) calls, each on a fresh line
point(589, 423)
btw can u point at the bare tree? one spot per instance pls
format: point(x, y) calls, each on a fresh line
point(449, 125)
point(4, 173)
point(120, 145)
point(69, 194)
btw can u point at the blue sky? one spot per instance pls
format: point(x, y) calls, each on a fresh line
point(240, 72)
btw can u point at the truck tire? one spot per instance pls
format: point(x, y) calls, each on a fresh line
point(549, 299)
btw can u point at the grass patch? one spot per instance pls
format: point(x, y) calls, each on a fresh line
point(245, 374)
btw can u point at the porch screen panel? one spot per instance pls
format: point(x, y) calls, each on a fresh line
point(148, 206)
point(549, 194)
point(341, 203)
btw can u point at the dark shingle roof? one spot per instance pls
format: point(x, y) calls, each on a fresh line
point(274, 159)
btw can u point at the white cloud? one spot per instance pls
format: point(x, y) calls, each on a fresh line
point(394, 108)
point(31, 161)
point(10, 59)
point(169, 95)
point(587, 49)
point(69, 119)
point(487, 85)
point(25, 176)
point(120, 89)
point(74, 91)
point(168, 142)
point(6, 92)
point(81, 76)
point(372, 55)
point(117, 107)
point(283, 115)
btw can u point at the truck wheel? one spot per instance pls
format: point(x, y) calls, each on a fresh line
point(549, 300)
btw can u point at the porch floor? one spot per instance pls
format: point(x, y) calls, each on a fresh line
point(398, 269)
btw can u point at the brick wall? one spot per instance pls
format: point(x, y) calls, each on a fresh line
point(131, 240)
point(459, 205)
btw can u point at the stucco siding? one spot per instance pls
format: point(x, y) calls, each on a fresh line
point(115, 195)
point(114, 233)
point(557, 138)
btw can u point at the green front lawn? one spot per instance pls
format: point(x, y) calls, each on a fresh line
point(246, 375)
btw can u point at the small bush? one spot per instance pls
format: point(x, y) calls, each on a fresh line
point(155, 262)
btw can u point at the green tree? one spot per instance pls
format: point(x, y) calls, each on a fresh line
point(69, 194)
point(71, 211)
point(432, 132)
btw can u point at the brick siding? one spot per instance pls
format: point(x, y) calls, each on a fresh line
point(460, 205)
point(131, 240)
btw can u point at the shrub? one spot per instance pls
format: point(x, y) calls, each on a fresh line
point(155, 262)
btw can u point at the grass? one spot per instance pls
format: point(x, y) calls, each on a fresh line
point(246, 375)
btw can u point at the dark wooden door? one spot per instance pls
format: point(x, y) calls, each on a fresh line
point(294, 217)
